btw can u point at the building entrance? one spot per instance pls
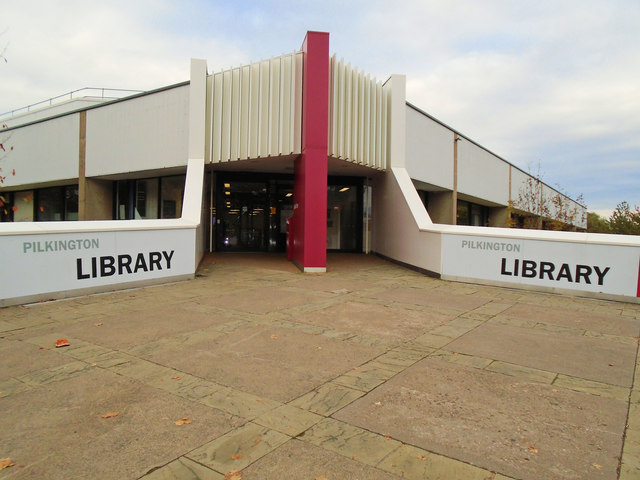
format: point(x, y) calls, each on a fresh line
point(251, 212)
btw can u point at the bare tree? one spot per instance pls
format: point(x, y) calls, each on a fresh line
point(535, 210)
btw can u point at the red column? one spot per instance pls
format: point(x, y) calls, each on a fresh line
point(310, 169)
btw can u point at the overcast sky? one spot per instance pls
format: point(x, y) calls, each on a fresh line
point(554, 82)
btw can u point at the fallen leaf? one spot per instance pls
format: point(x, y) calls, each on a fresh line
point(175, 378)
point(554, 390)
point(596, 466)
point(99, 324)
point(183, 421)
point(319, 348)
point(233, 475)
point(257, 440)
point(6, 462)
point(110, 414)
point(321, 478)
point(259, 399)
point(533, 449)
point(43, 348)
point(236, 456)
point(422, 458)
point(379, 404)
point(63, 342)
point(273, 337)
point(388, 437)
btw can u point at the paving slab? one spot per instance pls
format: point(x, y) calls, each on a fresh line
point(183, 469)
point(58, 428)
point(441, 300)
point(114, 331)
point(352, 442)
point(19, 358)
point(417, 464)
point(610, 322)
point(271, 300)
point(298, 460)
point(238, 448)
point(497, 422)
point(582, 357)
point(376, 320)
point(277, 363)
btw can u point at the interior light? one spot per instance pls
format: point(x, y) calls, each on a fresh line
point(344, 189)
point(289, 194)
point(227, 193)
point(227, 185)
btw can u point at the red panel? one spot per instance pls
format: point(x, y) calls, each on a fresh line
point(310, 169)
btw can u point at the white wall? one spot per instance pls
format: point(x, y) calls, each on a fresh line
point(398, 217)
point(574, 261)
point(585, 264)
point(481, 174)
point(43, 152)
point(142, 133)
point(429, 154)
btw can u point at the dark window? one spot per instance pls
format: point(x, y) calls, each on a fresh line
point(42, 205)
point(472, 214)
point(158, 197)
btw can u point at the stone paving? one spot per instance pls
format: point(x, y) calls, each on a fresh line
point(370, 371)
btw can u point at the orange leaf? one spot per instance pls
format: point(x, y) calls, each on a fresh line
point(533, 449)
point(233, 475)
point(175, 378)
point(321, 478)
point(422, 457)
point(14, 208)
point(183, 421)
point(257, 440)
point(236, 456)
point(63, 342)
point(110, 414)
point(596, 466)
point(5, 462)
point(97, 324)
point(274, 336)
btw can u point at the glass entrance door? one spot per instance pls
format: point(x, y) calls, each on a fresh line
point(242, 216)
point(251, 214)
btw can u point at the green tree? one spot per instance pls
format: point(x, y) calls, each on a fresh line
point(624, 220)
point(597, 224)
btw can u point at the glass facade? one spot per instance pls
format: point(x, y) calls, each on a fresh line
point(252, 210)
point(344, 217)
point(252, 213)
point(41, 205)
point(146, 198)
point(472, 214)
